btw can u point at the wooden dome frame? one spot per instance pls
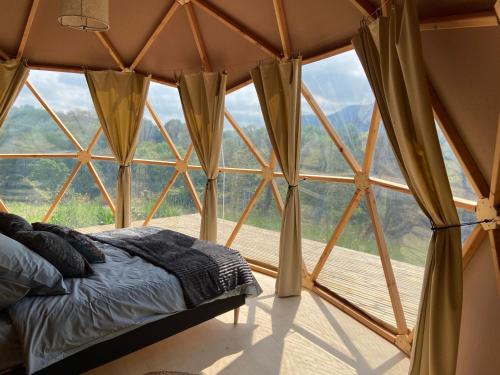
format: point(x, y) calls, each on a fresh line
point(401, 334)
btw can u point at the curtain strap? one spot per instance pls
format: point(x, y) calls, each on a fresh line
point(435, 227)
point(211, 179)
point(125, 165)
point(290, 186)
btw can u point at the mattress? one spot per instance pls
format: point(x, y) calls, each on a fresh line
point(10, 348)
point(125, 293)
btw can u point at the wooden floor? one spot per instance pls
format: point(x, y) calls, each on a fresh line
point(354, 275)
point(274, 336)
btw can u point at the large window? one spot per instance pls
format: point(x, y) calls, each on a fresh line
point(361, 227)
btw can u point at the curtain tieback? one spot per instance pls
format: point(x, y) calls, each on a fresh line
point(435, 227)
point(210, 180)
point(125, 165)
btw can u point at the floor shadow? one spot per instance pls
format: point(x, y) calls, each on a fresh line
point(282, 314)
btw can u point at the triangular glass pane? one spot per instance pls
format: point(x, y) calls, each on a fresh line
point(147, 183)
point(466, 217)
point(29, 186)
point(234, 191)
point(259, 237)
point(83, 206)
point(151, 144)
point(341, 89)
point(178, 211)
point(384, 164)
point(29, 129)
point(407, 233)
point(243, 104)
point(68, 95)
point(460, 185)
point(167, 105)
point(322, 205)
point(234, 152)
point(319, 155)
point(354, 270)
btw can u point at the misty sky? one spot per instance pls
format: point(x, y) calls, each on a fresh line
point(335, 82)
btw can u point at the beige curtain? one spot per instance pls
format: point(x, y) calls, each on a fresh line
point(202, 97)
point(391, 55)
point(13, 74)
point(278, 88)
point(119, 99)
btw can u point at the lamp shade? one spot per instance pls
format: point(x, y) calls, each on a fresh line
point(88, 15)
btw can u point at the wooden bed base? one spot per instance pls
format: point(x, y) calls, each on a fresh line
point(141, 337)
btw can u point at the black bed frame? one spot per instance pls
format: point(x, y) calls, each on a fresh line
point(139, 338)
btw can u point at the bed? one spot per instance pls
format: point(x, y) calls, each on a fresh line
point(127, 304)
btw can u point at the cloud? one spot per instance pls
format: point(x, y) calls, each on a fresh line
point(336, 82)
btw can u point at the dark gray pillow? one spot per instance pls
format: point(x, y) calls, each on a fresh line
point(22, 269)
point(79, 241)
point(57, 251)
point(10, 224)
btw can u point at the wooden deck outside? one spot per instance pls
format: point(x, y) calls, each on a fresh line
point(354, 275)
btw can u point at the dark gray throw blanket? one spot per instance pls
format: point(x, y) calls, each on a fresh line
point(197, 272)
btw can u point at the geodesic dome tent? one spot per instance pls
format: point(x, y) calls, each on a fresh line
point(364, 237)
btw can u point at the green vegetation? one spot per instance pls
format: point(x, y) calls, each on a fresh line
point(29, 186)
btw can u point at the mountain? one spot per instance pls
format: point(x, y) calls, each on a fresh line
point(358, 115)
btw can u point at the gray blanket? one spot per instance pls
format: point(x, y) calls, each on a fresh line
point(197, 272)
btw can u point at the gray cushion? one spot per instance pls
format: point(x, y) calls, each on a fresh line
point(79, 241)
point(24, 268)
point(10, 224)
point(57, 251)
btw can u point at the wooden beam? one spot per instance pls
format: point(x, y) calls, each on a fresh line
point(236, 27)
point(245, 138)
point(371, 142)
point(471, 245)
point(494, 236)
point(366, 8)
point(277, 196)
point(198, 39)
point(192, 190)
point(339, 228)
point(94, 140)
point(27, 28)
point(3, 207)
point(152, 38)
point(455, 140)
point(460, 21)
point(161, 198)
point(494, 195)
point(386, 263)
point(246, 212)
point(63, 191)
point(103, 38)
point(101, 187)
point(54, 116)
point(329, 129)
point(38, 156)
point(279, 10)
